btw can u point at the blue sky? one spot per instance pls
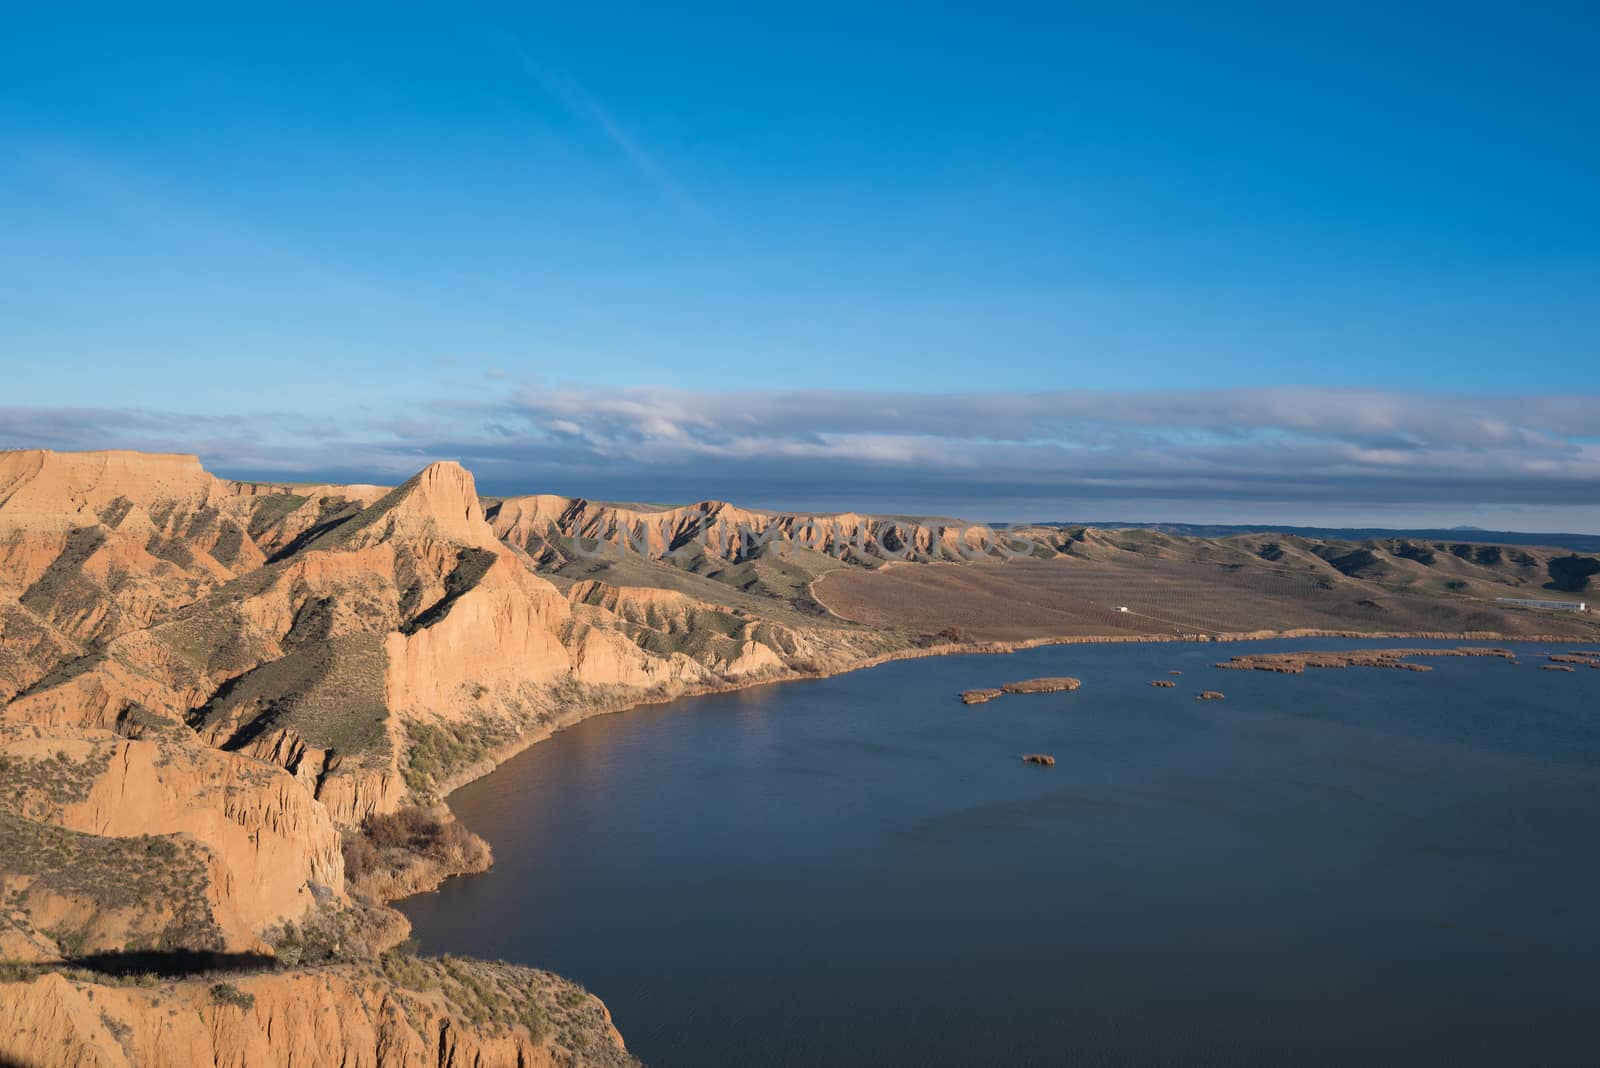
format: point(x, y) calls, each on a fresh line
point(340, 244)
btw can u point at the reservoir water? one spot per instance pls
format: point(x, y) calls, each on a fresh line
point(1349, 866)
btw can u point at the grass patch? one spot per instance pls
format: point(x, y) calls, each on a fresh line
point(330, 692)
point(439, 750)
point(471, 565)
point(156, 884)
point(271, 509)
point(496, 997)
point(40, 787)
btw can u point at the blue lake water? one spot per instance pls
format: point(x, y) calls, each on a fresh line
point(1347, 866)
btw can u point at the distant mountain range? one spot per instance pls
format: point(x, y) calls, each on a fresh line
point(1583, 543)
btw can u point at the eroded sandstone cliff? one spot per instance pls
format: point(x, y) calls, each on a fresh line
point(229, 711)
point(212, 693)
point(448, 1013)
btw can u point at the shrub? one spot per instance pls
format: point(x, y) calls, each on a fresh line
point(360, 856)
point(402, 852)
point(415, 830)
point(228, 994)
point(439, 750)
point(402, 968)
point(119, 1030)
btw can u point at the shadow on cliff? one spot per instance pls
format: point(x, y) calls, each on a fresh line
point(171, 964)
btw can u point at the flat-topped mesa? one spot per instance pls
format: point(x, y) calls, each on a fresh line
point(97, 544)
point(46, 497)
point(73, 488)
point(114, 515)
point(535, 523)
point(721, 530)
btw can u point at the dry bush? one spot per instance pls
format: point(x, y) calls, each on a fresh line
point(411, 850)
point(361, 857)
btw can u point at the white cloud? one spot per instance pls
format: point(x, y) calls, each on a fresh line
point(1293, 445)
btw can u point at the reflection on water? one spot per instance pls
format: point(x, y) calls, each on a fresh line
point(1343, 866)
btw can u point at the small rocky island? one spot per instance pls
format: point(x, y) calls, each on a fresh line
point(1296, 663)
point(1044, 760)
point(1045, 685)
point(1061, 684)
point(1210, 695)
point(1165, 684)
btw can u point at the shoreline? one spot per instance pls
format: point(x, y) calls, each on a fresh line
point(496, 758)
